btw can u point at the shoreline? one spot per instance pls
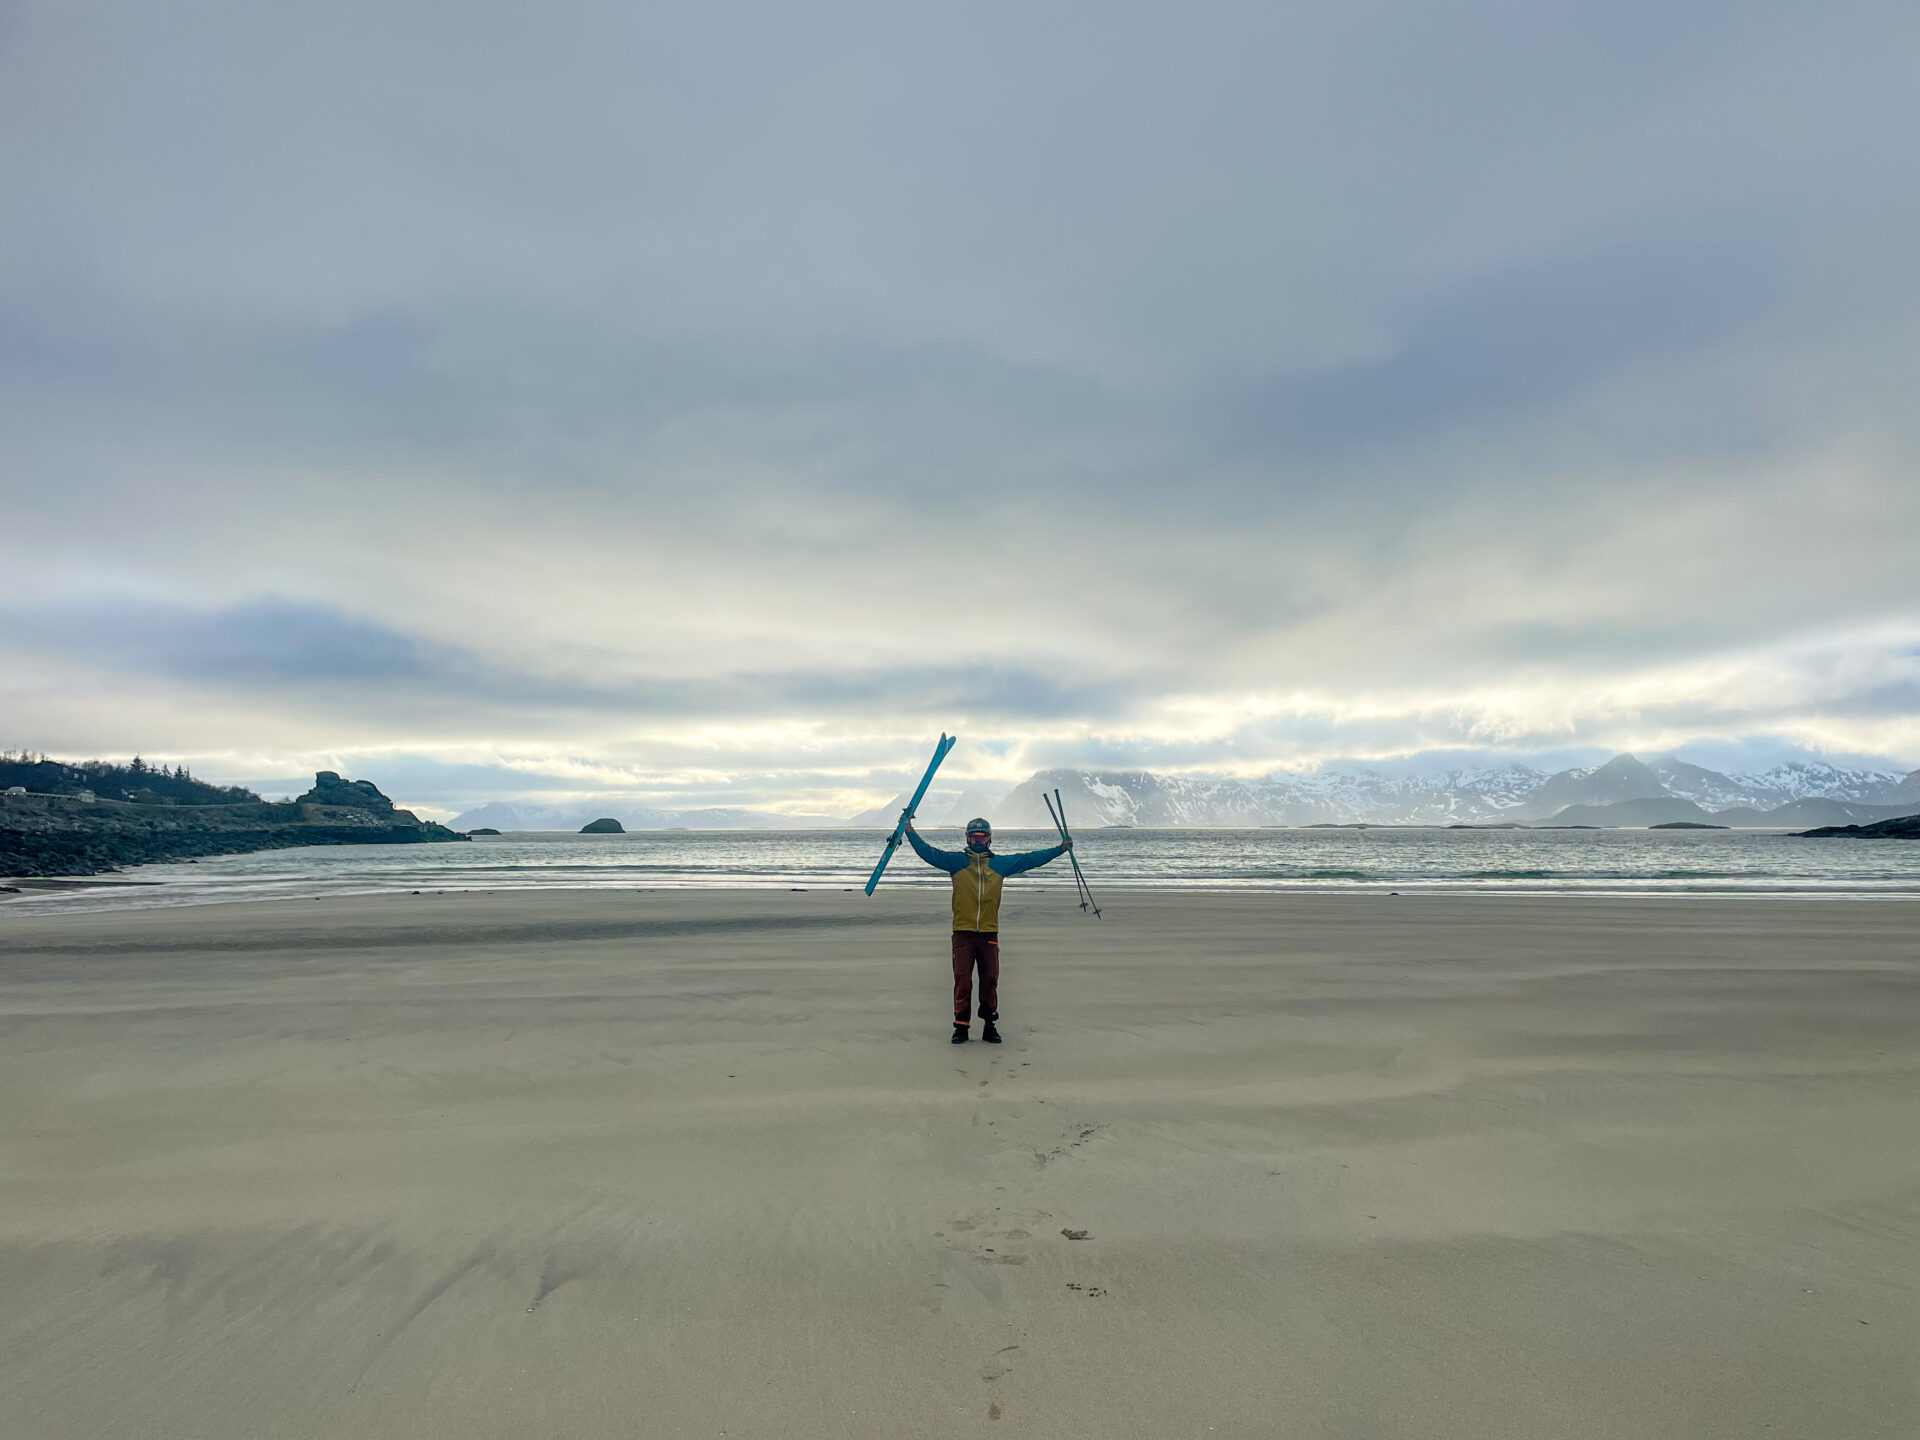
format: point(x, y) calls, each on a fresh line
point(33, 888)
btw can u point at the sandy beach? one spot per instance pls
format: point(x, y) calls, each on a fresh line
point(703, 1163)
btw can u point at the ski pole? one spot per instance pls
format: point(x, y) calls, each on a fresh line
point(1079, 891)
point(1075, 858)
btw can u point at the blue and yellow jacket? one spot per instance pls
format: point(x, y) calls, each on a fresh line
point(976, 878)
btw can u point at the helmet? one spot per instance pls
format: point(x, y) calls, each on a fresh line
point(976, 826)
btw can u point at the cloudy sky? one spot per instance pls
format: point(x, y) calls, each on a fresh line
point(709, 404)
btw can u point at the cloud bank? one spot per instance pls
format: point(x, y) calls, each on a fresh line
point(709, 406)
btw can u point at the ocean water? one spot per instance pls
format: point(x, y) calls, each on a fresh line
point(1590, 862)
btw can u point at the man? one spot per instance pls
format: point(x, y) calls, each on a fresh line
point(977, 873)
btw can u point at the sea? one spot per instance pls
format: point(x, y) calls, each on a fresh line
point(1116, 862)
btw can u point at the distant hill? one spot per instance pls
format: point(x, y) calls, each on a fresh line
point(1620, 780)
point(1810, 811)
point(136, 782)
point(1639, 814)
point(1907, 792)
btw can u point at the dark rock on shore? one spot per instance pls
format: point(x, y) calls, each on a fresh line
point(603, 827)
point(1900, 827)
point(50, 835)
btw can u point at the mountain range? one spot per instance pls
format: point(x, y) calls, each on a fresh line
point(1624, 791)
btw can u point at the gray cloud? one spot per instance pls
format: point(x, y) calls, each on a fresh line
point(317, 655)
point(1204, 388)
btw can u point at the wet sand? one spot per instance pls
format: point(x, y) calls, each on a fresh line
point(698, 1164)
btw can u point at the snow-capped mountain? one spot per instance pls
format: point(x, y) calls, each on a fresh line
point(1422, 790)
point(1779, 785)
point(1708, 789)
point(1335, 795)
point(1818, 780)
point(1468, 795)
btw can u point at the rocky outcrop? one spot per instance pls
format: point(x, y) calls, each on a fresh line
point(330, 789)
point(604, 826)
point(63, 835)
point(1900, 827)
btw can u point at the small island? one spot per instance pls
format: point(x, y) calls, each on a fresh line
point(1900, 827)
point(605, 826)
point(1688, 825)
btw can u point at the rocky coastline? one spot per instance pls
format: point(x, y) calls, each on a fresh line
point(67, 835)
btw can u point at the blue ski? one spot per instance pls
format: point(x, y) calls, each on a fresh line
point(947, 742)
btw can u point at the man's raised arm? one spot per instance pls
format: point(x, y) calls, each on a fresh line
point(951, 861)
point(1031, 860)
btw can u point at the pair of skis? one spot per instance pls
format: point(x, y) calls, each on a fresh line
point(1081, 887)
point(947, 742)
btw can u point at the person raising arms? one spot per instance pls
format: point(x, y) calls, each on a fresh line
point(977, 875)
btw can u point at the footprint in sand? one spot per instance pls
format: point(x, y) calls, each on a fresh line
point(993, 1247)
point(997, 1368)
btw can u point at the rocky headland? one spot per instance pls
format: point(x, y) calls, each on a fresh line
point(81, 834)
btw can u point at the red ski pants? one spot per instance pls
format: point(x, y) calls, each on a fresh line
point(971, 949)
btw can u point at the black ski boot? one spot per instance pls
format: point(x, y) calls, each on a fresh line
point(990, 1035)
point(959, 1034)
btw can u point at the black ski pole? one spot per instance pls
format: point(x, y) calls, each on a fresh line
point(1075, 858)
point(1079, 889)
